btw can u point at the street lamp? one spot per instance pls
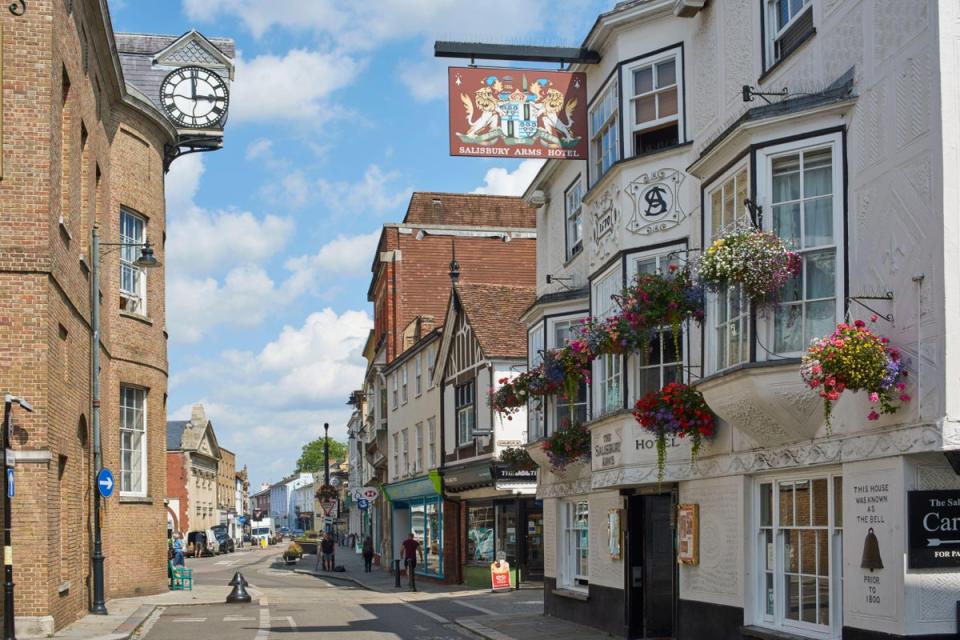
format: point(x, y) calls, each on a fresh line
point(145, 261)
point(9, 633)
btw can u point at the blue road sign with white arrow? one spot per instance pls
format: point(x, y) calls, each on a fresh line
point(363, 503)
point(10, 491)
point(105, 483)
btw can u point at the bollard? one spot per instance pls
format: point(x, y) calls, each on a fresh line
point(396, 573)
point(237, 578)
point(239, 594)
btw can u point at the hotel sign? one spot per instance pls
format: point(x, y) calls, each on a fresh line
point(517, 113)
point(933, 529)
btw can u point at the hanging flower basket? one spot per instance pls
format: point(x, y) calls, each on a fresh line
point(675, 410)
point(567, 445)
point(853, 358)
point(564, 369)
point(652, 301)
point(327, 492)
point(517, 459)
point(757, 260)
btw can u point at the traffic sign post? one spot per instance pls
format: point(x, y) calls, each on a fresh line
point(105, 483)
point(328, 506)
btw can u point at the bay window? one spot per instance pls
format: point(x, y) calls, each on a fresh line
point(607, 369)
point(655, 100)
point(535, 422)
point(804, 195)
point(798, 551)
point(575, 545)
point(567, 411)
point(663, 362)
point(729, 310)
point(604, 131)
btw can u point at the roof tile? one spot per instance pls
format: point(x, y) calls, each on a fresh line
point(470, 209)
point(493, 312)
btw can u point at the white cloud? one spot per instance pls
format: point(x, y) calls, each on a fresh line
point(500, 182)
point(371, 194)
point(182, 182)
point(295, 86)
point(342, 255)
point(426, 80)
point(258, 148)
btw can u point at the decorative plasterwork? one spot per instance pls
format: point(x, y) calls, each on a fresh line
point(863, 446)
point(606, 220)
point(771, 404)
point(656, 201)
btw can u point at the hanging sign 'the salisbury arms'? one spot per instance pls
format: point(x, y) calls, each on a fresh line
point(518, 113)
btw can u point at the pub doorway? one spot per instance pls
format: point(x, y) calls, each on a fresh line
point(651, 566)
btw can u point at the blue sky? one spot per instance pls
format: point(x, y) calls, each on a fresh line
point(338, 112)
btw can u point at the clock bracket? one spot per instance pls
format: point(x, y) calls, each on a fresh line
point(189, 143)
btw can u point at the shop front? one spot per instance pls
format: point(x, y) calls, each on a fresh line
point(417, 506)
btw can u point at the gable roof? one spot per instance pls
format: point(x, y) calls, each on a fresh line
point(175, 430)
point(493, 312)
point(427, 207)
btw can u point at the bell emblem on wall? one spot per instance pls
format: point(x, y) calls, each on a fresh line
point(871, 552)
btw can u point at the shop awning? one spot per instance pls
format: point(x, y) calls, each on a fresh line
point(428, 485)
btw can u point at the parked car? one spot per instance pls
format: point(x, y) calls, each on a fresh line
point(211, 546)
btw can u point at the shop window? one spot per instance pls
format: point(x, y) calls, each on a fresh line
point(799, 553)
point(575, 545)
point(466, 412)
point(803, 183)
point(480, 529)
point(607, 369)
point(426, 522)
point(507, 530)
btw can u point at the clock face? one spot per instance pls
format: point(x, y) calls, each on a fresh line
point(195, 97)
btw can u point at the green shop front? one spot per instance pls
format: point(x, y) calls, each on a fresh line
point(417, 506)
point(501, 519)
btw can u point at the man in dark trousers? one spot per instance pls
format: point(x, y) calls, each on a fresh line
point(411, 548)
point(326, 552)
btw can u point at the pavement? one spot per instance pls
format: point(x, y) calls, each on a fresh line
point(297, 600)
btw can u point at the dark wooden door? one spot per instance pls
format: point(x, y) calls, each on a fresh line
point(659, 567)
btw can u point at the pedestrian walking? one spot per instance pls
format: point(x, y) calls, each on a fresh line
point(367, 554)
point(411, 549)
point(178, 549)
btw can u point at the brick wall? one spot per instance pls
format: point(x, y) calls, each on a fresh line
point(177, 488)
point(71, 152)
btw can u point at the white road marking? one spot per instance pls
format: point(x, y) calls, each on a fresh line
point(429, 614)
point(464, 603)
point(238, 619)
point(293, 625)
point(189, 619)
point(264, 630)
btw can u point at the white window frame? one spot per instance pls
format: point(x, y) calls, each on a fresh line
point(405, 440)
point(396, 455)
point(629, 100)
point(573, 218)
point(396, 390)
point(608, 99)
point(466, 413)
point(759, 556)
point(662, 258)
point(739, 215)
point(774, 33)
point(432, 439)
point(135, 300)
point(554, 403)
point(606, 368)
point(431, 364)
point(765, 157)
point(536, 429)
point(418, 447)
point(571, 542)
point(418, 376)
point(403, 384)
point(142, 492)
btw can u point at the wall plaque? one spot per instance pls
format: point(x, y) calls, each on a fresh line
point(656, 201)
point(933, 529)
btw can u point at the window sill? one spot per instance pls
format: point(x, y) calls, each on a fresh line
point(572, 594)
point(64, 232)
point(750, 365)
point(762, 633)
point(619, 164)
point(137, 317)
point(776, 65)
point(136, 500)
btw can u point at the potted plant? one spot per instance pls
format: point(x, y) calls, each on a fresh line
point(853, 358)
point(675, 410)
point(327, 492)
point(293, 553)
point(568, 445)
point(757, 260)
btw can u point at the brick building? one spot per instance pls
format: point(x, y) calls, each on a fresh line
point(82, 145)
point(494, 241)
